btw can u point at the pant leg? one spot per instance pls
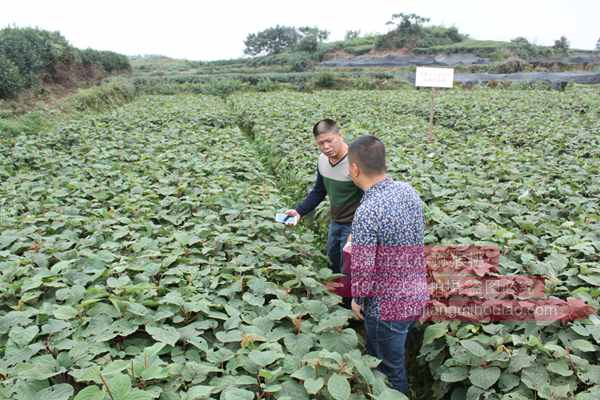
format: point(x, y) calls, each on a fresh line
point(371, 335)
point(343, 232)
point(333, 247)
point(387, 341)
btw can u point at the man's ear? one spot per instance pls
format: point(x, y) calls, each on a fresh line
point(354, 169)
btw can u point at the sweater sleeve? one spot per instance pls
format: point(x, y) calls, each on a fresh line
point(314, 197)
point(364, 250)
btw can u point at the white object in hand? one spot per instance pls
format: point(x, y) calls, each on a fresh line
point(286, 219)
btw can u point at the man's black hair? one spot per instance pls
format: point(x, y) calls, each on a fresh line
point(369, 153)
point(325, 126)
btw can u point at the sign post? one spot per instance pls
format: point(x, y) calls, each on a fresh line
point(433, 78)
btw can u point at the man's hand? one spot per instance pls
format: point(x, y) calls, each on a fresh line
point(293, 213)
point(357, 311)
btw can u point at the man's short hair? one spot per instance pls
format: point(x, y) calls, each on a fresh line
point(325, 126)
point(369, 153)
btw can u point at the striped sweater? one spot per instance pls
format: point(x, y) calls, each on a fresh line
point(334, 181)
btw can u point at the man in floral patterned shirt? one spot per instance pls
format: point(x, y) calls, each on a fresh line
point(388, 275)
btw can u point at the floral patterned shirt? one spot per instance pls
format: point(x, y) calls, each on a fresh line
point(388, 273)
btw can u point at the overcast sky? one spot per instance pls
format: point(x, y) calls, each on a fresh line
point(216, 29)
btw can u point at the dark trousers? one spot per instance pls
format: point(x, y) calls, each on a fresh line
point(386, 340)
point(336, 239)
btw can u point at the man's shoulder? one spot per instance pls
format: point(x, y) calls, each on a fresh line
point(403, 187)
point(368, 207)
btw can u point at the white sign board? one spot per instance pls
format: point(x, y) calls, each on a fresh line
point(434, 77)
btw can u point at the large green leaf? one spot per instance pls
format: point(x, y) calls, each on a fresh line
point(90, 393)
point(484, 377)
point(338, 387)
point(166, 334)
point(62, 391)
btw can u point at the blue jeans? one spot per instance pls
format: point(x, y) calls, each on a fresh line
point(336, 240)
point(386, 340)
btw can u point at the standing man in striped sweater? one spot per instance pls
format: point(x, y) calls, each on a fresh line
point(333, 180)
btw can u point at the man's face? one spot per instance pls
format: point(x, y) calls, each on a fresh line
point(330, 144)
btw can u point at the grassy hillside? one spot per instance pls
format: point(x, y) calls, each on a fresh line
point(41, 65)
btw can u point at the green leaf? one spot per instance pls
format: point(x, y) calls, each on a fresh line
point(591, 375)
point(166, 334)
point(274, 251)
point(434, 331)
point(508, 381)
point(304, 373)
point(558, 262)
point(61, 391)
point(341, 342)
point(519, 360)
point(474, 347)
point(338, 387)
point(391, 394)
point(90, 393)
point(118, 386)
point(237, 394)
point(23, 336)
point(120, 389)
point(39, 368)
point(199, 392)
point(229, 336)
point(264, 358)
point(583, 345)
point(559, 367)
point(454, 374)
point(253, 300)
point(65, 312)
point(484, 377)
point(535, 377)
point(6, 240)
point(313, 386)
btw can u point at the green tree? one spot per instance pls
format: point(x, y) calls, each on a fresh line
point(561, 44)
point(408, 24)
point(351, 35)
point(280, 38)
point(11, 80)
point(598, 44)
point(311, 38)
point(409, 32)
point(406, 32)
point(320, 35)
point(271, 40)
point(34, 51)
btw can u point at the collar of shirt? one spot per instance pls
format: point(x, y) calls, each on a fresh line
point(379, 186)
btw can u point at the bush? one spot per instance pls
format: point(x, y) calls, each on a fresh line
point(410, 33)
point(28, 55)
point(301, 62)
point(32, 122)
point(223, 87)
point(265, 85)
point(11, 80)
point(310, 44)
point(364, 83)
point(325, 80)
point(109, 60)
point(510, 66)
point(34, 51)
point(115, 92)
